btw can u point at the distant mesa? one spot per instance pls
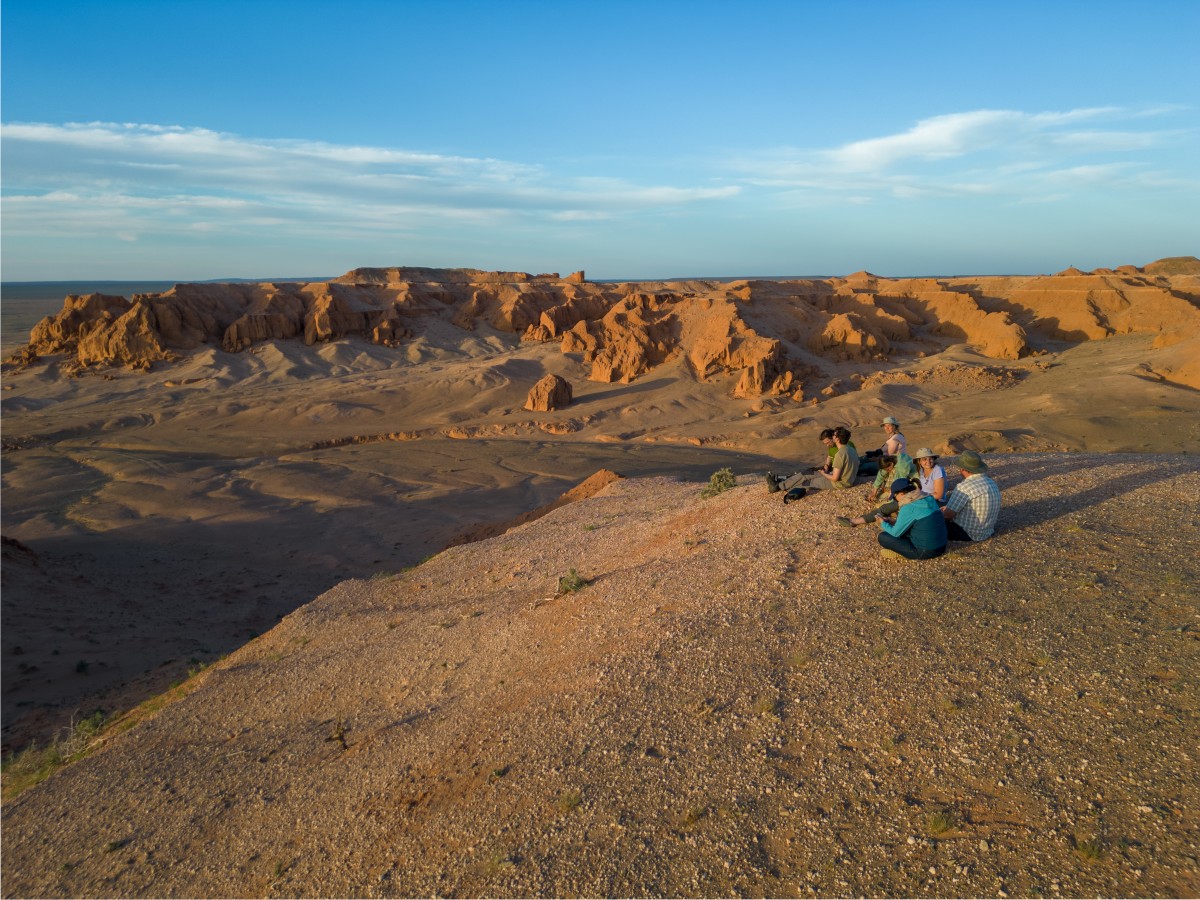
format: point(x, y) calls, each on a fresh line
point(766, 338)
point(1174, 265)
point(418, 274)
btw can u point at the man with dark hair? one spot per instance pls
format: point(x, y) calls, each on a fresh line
point(842, 472)
point(845, 464)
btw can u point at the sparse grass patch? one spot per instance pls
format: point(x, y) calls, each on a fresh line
point(1089, 848)
point(571, 582)
point(420, 562)
point(383, 576)
point(720, 481)
point(569, 800)
point(702, 709)
point(692, 817)
point(940, 822)
point(766, 706)
point(35, 764)
point(496, 862)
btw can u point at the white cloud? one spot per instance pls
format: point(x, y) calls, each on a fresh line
point(976, 153)
point(71, 176)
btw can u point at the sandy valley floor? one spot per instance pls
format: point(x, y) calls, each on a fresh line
point(171, 516)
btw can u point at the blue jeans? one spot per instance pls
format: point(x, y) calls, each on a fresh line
point(907, 548)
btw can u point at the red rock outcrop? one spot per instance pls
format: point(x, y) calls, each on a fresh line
point(638, 333)
point(762, 335)
point(550, 392)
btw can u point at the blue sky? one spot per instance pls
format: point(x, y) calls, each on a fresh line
point(190, 140)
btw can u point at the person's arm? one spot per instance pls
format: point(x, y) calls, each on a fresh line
point(891, 446)
point(904, 521)
point(939, 489)
point(877, 485)
point(839, 463)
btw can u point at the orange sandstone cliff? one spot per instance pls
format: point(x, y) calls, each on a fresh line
point(766, 336)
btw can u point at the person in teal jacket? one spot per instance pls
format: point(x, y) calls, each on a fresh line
point(920, 529)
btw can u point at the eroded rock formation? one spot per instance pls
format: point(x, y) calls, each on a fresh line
point(551, 392)
point(767, 337)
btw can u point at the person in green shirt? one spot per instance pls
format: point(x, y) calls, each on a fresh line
point(843, 469)
point(891, 468)
point(827, 440)
point(803, 479)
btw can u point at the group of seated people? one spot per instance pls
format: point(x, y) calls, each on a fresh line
point(917, 514)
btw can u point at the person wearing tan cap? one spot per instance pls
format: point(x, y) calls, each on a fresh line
point(931, 475)
point(895, 444)
point(973, 507)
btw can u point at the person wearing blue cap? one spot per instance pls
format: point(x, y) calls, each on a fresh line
point(920, 529)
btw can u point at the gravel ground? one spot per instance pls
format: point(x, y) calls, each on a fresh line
point(744, 700)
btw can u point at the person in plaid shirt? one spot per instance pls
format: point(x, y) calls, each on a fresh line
point(973, 507)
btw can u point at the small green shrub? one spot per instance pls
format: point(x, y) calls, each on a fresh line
point(571, 582)
point(569, 800)
point(941, 822)
point(34, 764)
point(721, 480)
point(1090, 849)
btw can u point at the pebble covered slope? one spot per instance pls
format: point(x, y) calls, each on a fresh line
point(743, 700)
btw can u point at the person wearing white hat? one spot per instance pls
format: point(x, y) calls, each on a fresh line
point(931, 475)
point(895, 444)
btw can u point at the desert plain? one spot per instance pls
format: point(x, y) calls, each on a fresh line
point(295, 523)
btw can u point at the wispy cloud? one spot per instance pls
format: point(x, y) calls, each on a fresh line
point(129, 176)
point(980, 152)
